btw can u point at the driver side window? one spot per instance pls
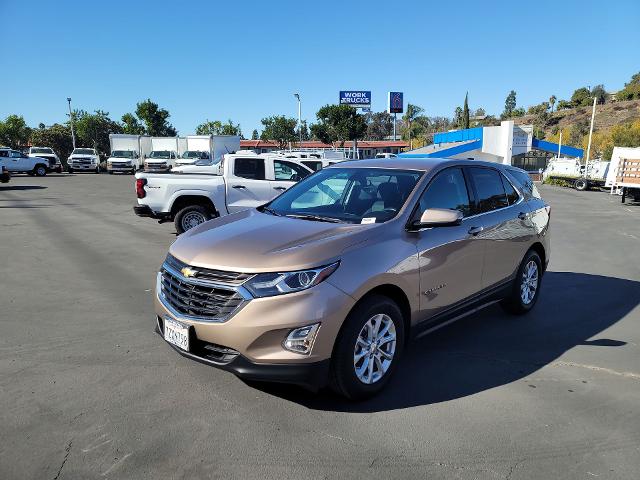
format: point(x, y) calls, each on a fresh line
point(447, 190)
point(288, 171)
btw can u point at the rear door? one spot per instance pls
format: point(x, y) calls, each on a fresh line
point(247, 185)
point(505, 221)
point(285, 175)
point(450, 258)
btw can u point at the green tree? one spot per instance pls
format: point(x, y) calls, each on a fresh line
point(254, 135)
point(564, 104)
point(552, 101)
point(131, 125)
point(480, 112)
point(209, 128)
point(56, 136)
point(155, 119)
point(581, 97)
point(457, 117)
point(280, 129)
point(411, 128)
point(599, 93)
point(338, 123)
point(14, 132)
point(631, 90)
point(230, 128)
point(509, 105)
point(465, 112)
point(93, 129)
point(379, 125)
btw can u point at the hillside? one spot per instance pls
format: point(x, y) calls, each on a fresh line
point(607, 116)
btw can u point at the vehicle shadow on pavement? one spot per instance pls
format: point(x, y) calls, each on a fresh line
point(21, 187)
point(492, 348)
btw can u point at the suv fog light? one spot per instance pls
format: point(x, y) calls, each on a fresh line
point(301, 339)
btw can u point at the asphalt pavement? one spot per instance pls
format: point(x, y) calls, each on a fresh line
point(88, 390)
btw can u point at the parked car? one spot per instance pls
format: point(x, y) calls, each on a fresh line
point(189, 200)
point(326, 283)
point(53, 161)
point(18, 162)
point(84, 159)
point(123, 161)
point(160, 161)
point(190, 157)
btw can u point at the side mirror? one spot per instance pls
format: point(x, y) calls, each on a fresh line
point(438, 217)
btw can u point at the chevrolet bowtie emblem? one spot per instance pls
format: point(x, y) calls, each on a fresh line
point(187, 272)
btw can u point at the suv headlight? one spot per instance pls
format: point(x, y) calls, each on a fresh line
point(270, 284)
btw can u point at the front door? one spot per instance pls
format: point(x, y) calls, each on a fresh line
point(285, 175)
point(451, 258)
point(17, 162)
point(247, 186)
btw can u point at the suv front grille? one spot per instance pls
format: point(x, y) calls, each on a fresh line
point(218, 276)
point(196, 299)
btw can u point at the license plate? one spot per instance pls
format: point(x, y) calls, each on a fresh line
point(176, 333)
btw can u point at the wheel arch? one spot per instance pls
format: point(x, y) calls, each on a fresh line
point(186, 200)
point(539, 249)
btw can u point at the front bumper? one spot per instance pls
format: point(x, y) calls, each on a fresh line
point(255, 333)
point(114, 167)
point(82, 166)
point(309, 375)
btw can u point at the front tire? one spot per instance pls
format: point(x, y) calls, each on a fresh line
point(190, 217)
point(526, 286)
point(368, 348)
point(581, 185)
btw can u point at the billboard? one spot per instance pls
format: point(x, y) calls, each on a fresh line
point(395, 102)
point(522, 139)
point(355, 98)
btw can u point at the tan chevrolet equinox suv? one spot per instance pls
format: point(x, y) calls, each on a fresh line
point(326, 283)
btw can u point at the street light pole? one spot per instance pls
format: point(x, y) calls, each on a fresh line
point(586, 161)
point(73, 134)
point(297, 95)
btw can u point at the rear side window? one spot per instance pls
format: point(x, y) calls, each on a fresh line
point(4, 153)
point(491, 194)
point(251, 168)
point(525, 183)
point(447, 190)
point(512, 195)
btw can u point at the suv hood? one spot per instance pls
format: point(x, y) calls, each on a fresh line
point(251, 241)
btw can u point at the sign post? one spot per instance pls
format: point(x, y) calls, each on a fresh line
point(357, 99)
point(395, 103)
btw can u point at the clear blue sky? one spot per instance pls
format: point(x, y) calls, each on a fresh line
point(244, 59)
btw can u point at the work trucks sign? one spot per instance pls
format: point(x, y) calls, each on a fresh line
point(358, 99)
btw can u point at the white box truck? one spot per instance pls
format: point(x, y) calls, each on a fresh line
point(204, 153)
point(164, 152)
point(127, 152)
point(624, 174)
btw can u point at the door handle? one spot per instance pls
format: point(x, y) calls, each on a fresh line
point(522, 216)
point(239, 187)
point(475, 230)
point(279, 188)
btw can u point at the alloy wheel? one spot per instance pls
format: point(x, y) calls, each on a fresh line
point(374, 349)
point(529, 282)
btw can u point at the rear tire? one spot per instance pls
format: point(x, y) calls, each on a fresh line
point(39, 170)
point(526, 286)
point(581, 185)
point(358, 346)
point(190, 217)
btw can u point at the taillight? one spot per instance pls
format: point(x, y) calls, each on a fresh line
point(140, 191)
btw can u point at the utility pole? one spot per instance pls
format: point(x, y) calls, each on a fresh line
point(73, 135)
point(586, 160)
point(560, 145)
point(297, 95)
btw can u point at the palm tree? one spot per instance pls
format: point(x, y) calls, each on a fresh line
point(552, 101)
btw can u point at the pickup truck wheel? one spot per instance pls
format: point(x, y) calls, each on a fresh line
point(40, 170)
point(190, 217)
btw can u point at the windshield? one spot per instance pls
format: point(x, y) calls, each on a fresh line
point(351, 195)
point(194, 154)
point(41, 150)
point(83, 151)
point(160, 154)
point(122, 154)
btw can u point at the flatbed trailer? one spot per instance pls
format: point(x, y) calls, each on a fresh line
point(579, 183)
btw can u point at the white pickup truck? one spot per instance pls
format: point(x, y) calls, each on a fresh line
point(246, 181)
point(17, 162)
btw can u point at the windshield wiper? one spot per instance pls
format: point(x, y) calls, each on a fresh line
point(317, 218)
point(271, 211)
